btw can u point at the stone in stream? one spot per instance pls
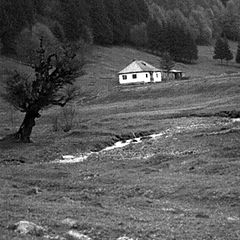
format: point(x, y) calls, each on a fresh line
point(53, 237)
point(75, 235)
point(233, 219)
point(72, 223)
point(65, 157)
point(125, 238)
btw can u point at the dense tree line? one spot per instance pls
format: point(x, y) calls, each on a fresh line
point(163, 25)
point(202, 18)
point(222, 50)
point(230, 21)
point(172, 35)
point(99, 21)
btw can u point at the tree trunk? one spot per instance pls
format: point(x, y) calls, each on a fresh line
point(25, 130)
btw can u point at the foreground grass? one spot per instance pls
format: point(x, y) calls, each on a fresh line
point(184, 186)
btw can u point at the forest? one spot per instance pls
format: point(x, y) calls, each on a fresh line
point(170, 26)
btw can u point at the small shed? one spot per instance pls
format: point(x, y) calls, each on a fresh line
point(139, 72)
point(172, 75)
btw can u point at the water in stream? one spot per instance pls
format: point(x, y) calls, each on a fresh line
point(185, 127)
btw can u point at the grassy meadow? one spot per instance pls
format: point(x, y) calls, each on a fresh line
point(182, 185)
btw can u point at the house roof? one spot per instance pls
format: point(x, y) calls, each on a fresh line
point(139, 66)
point(173, 71)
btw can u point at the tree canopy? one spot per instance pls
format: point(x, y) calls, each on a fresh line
point(135, 22)
point(222, 50)
point(51, 84)
point(167, 62)
point(238, 54)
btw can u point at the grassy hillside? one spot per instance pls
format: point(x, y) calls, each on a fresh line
point(182, 185)
point(105, 63)
point(201, 93)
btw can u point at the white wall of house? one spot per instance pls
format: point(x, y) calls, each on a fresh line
point(142, 77)
point(157, 76)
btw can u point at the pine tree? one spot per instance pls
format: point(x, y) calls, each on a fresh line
point(74, 19)
point(180, 44)
point(238, 54)
point(129, 11)
point(153, 32)
point(39, 6)
point(219, 50)
point(102, 27)
point(114, 15)
point(228, 53)
point(138, 35)
point(222, 50)
point(190, 51)
point(143, 10)
point(14, 16)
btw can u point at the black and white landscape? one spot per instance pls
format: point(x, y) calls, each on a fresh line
point(119, 119)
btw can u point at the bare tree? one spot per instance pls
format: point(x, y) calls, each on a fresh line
point(54, 74)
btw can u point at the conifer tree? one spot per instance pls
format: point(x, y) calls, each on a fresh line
point(154, 33)
point(219, 50)
point(228, 53)
point(180, 44)
point(238, 53)
point(129, 11)
point(143, 10)
point(190, 51)
point(74, 19)
point(222, 50)
point(14, 16)
point(102, 28)
point(113, 11)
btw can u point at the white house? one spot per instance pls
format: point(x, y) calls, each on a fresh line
point(139, 72)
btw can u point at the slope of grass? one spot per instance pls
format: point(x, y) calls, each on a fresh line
point(104, 64)
point(184, 185)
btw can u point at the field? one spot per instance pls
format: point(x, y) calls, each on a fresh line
point(181, 184)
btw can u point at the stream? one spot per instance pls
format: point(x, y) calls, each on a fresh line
point(169, 132)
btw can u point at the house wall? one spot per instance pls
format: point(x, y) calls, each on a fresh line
point(157, 76)
point(143, 77)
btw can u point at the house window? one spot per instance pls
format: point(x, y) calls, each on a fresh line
point(124, 77)
point(134, 76)
point(146, 75)
point(157, 75)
